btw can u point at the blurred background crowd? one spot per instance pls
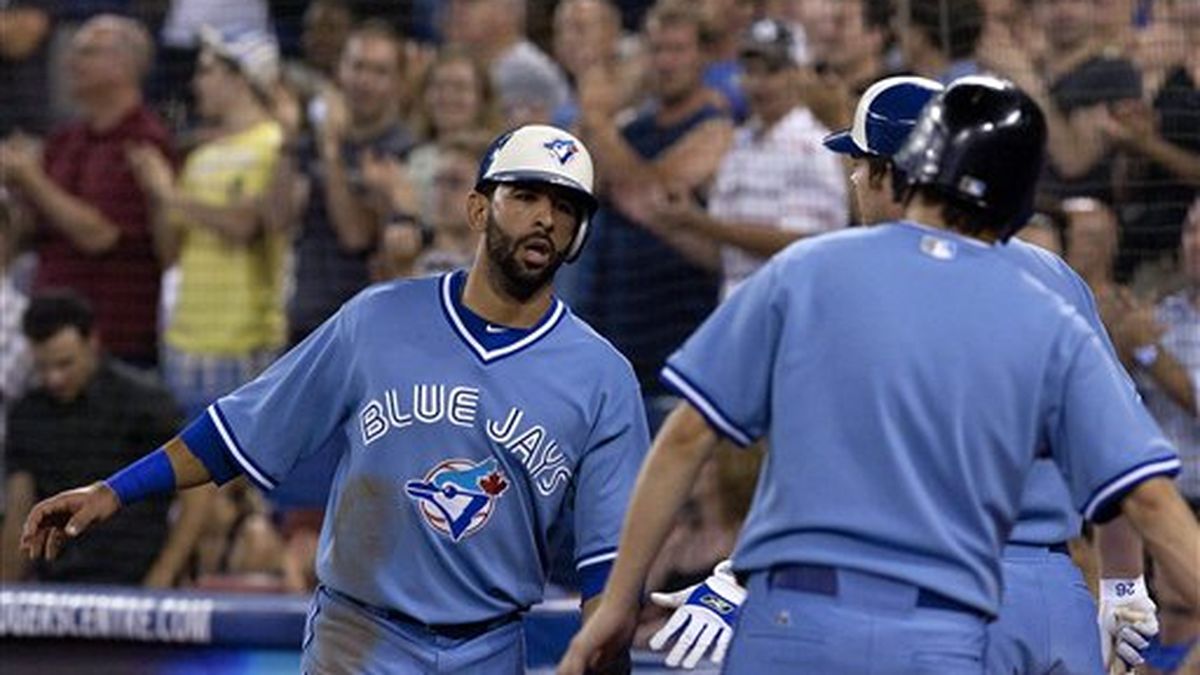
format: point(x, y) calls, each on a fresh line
point(189, 187)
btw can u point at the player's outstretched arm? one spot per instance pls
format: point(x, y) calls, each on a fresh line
point(680, 450)
point(69, 514)
point(1170, 532)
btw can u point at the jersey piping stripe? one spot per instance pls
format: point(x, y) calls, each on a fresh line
point(1120, 484)
point(596, 559)
point(257, 475)
point(704, 404)
point(491, 355)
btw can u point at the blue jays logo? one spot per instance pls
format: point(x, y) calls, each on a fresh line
point(563, 149)
point(456, 498)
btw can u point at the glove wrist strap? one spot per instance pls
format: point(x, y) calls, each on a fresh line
point(1122, 588)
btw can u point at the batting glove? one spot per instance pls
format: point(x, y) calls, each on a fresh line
point(1128, 619)
point(706, 613)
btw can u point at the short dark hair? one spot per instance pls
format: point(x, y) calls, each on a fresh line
point(956, 32)
point(961, 216)
point(51, 311)
point(877, 169)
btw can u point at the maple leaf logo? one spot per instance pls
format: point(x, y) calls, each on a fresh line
point(493, 484)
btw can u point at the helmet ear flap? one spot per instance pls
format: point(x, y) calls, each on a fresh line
point(580, 238)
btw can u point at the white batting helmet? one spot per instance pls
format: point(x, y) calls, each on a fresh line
point(543, 154)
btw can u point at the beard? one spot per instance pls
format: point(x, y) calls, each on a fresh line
point(508, 272)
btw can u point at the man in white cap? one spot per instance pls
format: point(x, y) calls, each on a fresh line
point(471, 411)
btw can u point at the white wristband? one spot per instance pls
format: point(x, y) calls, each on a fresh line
point(1120, 589)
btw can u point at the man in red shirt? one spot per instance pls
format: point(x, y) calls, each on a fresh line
point(94, 232)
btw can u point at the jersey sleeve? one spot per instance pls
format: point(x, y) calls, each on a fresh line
point(1101, 436)
point(291, 409)
point(605, 478)
point(724, 369)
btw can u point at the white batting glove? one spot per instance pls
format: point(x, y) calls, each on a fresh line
point(706, 613)
point(1128, 619)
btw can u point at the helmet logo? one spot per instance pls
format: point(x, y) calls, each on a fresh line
point(562, 149)
point(972, 186)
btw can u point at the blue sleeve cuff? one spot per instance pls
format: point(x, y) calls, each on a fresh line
point(1104, 504)
point(204, 441)
point(593, 577)
point(712, 413)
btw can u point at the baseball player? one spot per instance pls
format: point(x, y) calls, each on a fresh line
point(903, 375)
point(470, 411)
point(1046, 615)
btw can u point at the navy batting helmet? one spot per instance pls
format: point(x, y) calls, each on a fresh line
point(980, 144)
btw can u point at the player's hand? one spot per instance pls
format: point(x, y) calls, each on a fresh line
point(1127, 620)
point(603, 640)
point(64, 516)
point(706, 613)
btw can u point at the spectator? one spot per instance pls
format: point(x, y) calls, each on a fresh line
point(455, 96)
point(643, 285)
point(529, 97)
point(939, 38)
point(494, 32)
point(1075, 86)
point(15, 360)
point(725, 23)
point(327, 25)
point(778, 183)
point(847, 39)
point(338, 228)
point(90, 415)
point(213, 223)
point(94, 232)
point(25, 27)
point(1162, 344)
point(1162, 138)
point(180, 39)
point(587, 35)
point(1092, 239)
point(450, 243)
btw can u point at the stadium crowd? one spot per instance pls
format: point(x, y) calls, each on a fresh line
point(189, 188)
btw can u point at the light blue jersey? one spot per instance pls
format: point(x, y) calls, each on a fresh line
point(461, 444)
point(1047, 516)
point(904, 377)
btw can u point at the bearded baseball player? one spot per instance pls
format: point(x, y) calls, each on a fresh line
point(470, 411)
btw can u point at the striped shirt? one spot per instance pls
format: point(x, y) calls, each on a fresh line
point(780, 177)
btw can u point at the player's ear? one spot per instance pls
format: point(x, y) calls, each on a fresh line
point(477, 210)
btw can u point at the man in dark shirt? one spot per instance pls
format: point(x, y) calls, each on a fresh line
point(643, 285)
point(90, 416)
point(94, 233)
point(338, 228)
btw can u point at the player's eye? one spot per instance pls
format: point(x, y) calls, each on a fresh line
point(566, 208)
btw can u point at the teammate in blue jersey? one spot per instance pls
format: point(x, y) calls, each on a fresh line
point(903, 376)
point(470, 412)
point(1047, 620)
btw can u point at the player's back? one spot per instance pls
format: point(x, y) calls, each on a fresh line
point(908, 395)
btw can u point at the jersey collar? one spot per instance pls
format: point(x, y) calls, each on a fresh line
point(488, 341)
point(947, 234)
